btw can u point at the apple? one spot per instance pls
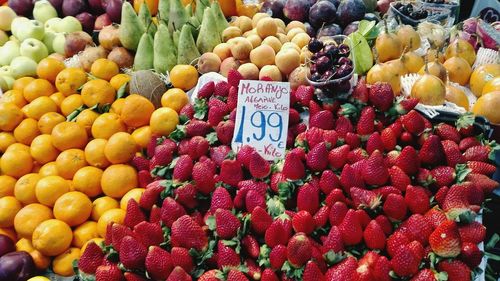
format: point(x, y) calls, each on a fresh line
point(73, 7)
point(4, 87)
point(17, 23)
point(87, 20)
point(76, 42)
point(29, 29)
point(3, 37)
point(57, 4)
point(114, 10)
point(9, 80)
point(43, 11)
point(22, 7)
point(68, 24)
point(96, 7)
point(9, 51)
point(102, 21)
point(5, 70)
point(7, 15)
point(50, 25)
point(22, 67)
point(58, 43)
point(48, 40)
point(34, 49)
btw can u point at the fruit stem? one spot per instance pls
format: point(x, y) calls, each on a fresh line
point(386, 29)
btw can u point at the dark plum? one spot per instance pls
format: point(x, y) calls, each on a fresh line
point(372, 17)
point(274, 7)
point(329, 30)
point(296, 10)
point(323, 12)
point(113, 9)
point(310, 30)
point(57, 4)
point(350, 28)
point(16, 266)
point(87, 20)
point(334, 2)
point(73, 7)
point(349, 11)
point(315, 45)
point(343, 71)
point(6, 245)
point(22, 7)
point(96, 6)
point(323, 64)
point(344, 60)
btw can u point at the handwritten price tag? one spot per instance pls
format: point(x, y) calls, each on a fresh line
point(262, 117)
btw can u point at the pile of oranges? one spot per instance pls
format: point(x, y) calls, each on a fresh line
point(64, 172)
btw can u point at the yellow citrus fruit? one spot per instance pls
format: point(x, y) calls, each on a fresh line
point(50, 188)
point(175, 98)
point(69, 162)
point(94, 153)
point(6, 139)
point(101, 205)
point(120, 148)
point(482, 75)
point(58, 98)
point(184, 76)
point(42, 150)
point(39, 278)
point(98, 91)
point(41, 261)
point(11, 116)
point(70, 104)
point(7, 184)
point(68, 135)
point(99, 241)
point(48, 121)
point(36, 167)
point(84, 232)
point(24, 190)
point(152, 5)
point(9, 232)
point(142, 136)
point(69, 80)
point(118, 80)
point(29, 217)
point(38, 88)
point(49, 169)
point(117, 106)
point(88, 181)
point(15, 97)
point(63, 263)
point(73, 208)
point(487, 106)
point(18, 146)
point(26, 131)
point(136, 111)
point(163, 121)
point(132, 194)
point(48, 68)
point(39, 107)
point(52, 237)
point(118, 180)
point(16, 163)
point(86, 118)
point(459, 70)
point(492, 85)
point(104, 69)
point(113, 215)
point(21, 83)
point(106, 125)
point(9, 206)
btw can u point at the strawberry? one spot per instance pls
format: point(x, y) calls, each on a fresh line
point(413, 122)
point(269, 275)
point(424, 275)
point(260, 220)
point(374, 170)
point(486, 183)
point(140, 163)
point(417, 227)
point(408, 160)
point(179, 274)
point(251, 246)
point(443, 175)
point(374, 142)
point(277, 234)
point(91, 258)
point(315, 159)
point(395, 207)
point(337, 157)
point(225, 131)
point(396, 240)
point(312, 272)
point(278, 256)
point(234, 78)
point(162, 157)
point(299, 250)
point(150, 149)
point(321, 216)
point(197, 128)
point(293, 167)
point(473, 232)
point(226, 256)
point(221, 199)
point(187, 233)
point(232, 99)
point(381, 269)
point(363, 198)
point(404, 262)
point(221, 89)
point(133, 214)
point(452, 153)
point(447, 132)
point(211, 275)
point(227, 224)
point(432, 152)
point(108, 273)
point(381, 96)
point(203, 177)
point(328, 181)
point(244, 155)
point(389, 139)
point(445, 240)
point(441, 195)
point(374, 236)
point(259, 168)
point(424, 177)
point(171, 210)
point(155, 214)
point(198, 146)
point(481, 167)
point(337, 213)
point(385, 224)
point(343, 126)
point(303, 222)
point(366, 121)
point(456, 200)
point(478, 153)
point(183, 168)
point(330, 137)
point(417, 199)
point(132, 253)
point(187, 111)
point(149, 234)
point(304, 94)
point(118, 231)
point(207, 90)
point(186, 195)
point(435, 216)
point(129, 276)
point(231, 172)
point(216, 114)
point(144, 178)
point(352, 140)
point(333, 241)
point(314, 108)
point(235, 275)
point(323, 120)
point(470, 254)
point(158, 263)
point(456, 270)
point(345, 270)
point(314, 136)
point(398, 178)
point(350, 228)
point(403, 106)
point(219, 153)
point(181, 257)
point(360, 92)
point(308, 198)
point(254, 199)
point(468, 142)
point(397, 127)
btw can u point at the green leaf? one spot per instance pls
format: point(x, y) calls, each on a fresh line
point(212, 138)
point(275, 207)
point(332, 258)
point(200, 109)
point(462, 171)
point(178, 134)
point(211, 223)
point(183, 119)
point(72, 116)
point(361, 53)
point(493, 241)
point(122, 91)
point(365, 27)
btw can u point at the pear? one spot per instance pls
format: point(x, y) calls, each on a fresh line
point(131, 28)
point(177, 17)
point(144, 56)
point(186, 50)
point(200, 8)
point(193, 21)
point(208, 37)
point(145, 18)
point(163, 10)
point(220, 19)
point(429, 89)
point(175, 36)
point(165, 53)
point(189, 10)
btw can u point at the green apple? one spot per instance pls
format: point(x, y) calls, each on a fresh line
point(48, 40)
point(9, 80)
point(58, 43)
point(3, 37)
point(50, 25)
point(6, 17)
point(4, 87)
point(43, 11)
point(34, 49)
point(68, 24)
point(9, 51)
point(22, 67)
point(30, 29)
point(17, 23)
point(6, 70)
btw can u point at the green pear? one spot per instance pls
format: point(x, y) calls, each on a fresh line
point(175, 36)
point(131, 28)
point(145, 18)
point(163, 11)
point(208, 37)
point(200, 8)
point(220, 19)
point(165, 53)
point(193, 21)
point(144, 56)
point(178, 16)
point(186, 50)
point(189, 10)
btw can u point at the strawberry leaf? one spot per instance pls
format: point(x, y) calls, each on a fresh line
point(333, 258)
point(212, 138)
point(178, 134)
point(275, 206)
point(200, 109)
point(210, 221)
point(263, 259)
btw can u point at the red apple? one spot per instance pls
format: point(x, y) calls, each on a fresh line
point(114, 10)
point(96, 6)
point(102, 21)
point(73, 7)
point(122, 57)
point(76, 42)
point(87, 20)
point(57, 4)
point(22, 7)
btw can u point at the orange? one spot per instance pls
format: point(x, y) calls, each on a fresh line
point(482, 75)
point(24, 190)
point(88, 181)
point(487, 106)
point(118, 180)
point(11, 116)
point(50, 188)
point(86, 118)
point(49, 169)
point(142, 136)
point(94, 153)
point(38, 88)
point(9, 206)
point(84, 232)
point(48, 121)
point(29, 217)
point(26, 131)
point(10, 232)
point(120, 148)
point(69, 80)
point(18, 146)
point(113, 215)
point(117, 106)
point(21, 83)
point(134, 193)
point(101, 205)
point(69, 162)
point(63, 263)
point(41, 261)
point(98, 241)
point(7, 184)
point(15, 97)
point(42, 150)
point(73, 208)
point(461, 48)
point(16, 163)
point(163, 121)
point(184, 76)
point(228, 7)
point(98, 91)
point(459, 70)
point(52, 237)
point(104, 69)
point(176, 99)
point(6, 139)
point(70, 104)
point(68, 135)
point(58, 98)
point(48, 68)
point(492, 85)
point(106, 125)
point(118, 80)
point(152, 6)
point(136, 111)
point(39, 107)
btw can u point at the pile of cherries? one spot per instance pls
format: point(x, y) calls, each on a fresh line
point(329, 61)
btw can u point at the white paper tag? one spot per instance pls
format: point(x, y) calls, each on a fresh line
point(262, 117)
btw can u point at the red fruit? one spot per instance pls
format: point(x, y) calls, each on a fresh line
point(486, 183)
point(140, 163)
point(321, 216)
point(435, 216)
point(179, 274)
point(299, 249)
point(381, 96)
point(207, 90)
point(328, 181)
point(251, 246)
point(323, 120)
point(424, 177)
point(343, 126)
point(417, 200)
point(374, 236)
point(408, 160)
point(182, 258)
point(456, 199)
point(395, 207)
point(197, 128)
point(374, 142)
point(457, 270)
point(245, 154)
point(225, 130)
point(432, 152)
point(183, 168)
point(216, 114)
point(314, 136)
point(330, 137)
point(222, 89)
point(91, 258)
point(447, 132)
point(232, 99)
point(132, 253)
point(278, 256)
point(260, 220)
point(405, 105)
point(221, 199)
point(363, 198)
point(171, 211)
point(473, 232)
point(350, 178)
point(468, 142)
point(254, 199)
point(374, 171)
point(259, 168)
point(163, 155)
point(203, 177)
point(187, 233)
point(304, 94)
point(384, 191)
point(366, 122)
point(312, 272)
point(443, 175)
point(226, 256)
point(333, 241)
point(315, 159)
point(445, 240)
point(405, 263)
point(227, 224)
point(338, 156)
point(186, 195)
point(187, 111)
point(108, 273)
point(350, 228)
point(155, 214)
point(441, 195)
point(308, 198)
point(452, 153)
point(424, 275)
point(385, 224)
point(470, 254)
point(149, 234)
point(352, 140)
point(478, 153)
point(398, 178)
point(302, 221)
point(389, 139)
point(396, 240)
point(276, 234)
point(417, 227)
point(234, 77)
point(360, 92)
point(481, 167)
point(269, 275)
point(158, 263)
point(345, 270)
point(413, 122)
point(198, 146)
point(231, 172)
point(144, 178)
point(129, 276)
point(293, 117)
point(235, 275)
point(381, 269)
point(134, 214)
point(210, 275)
point(118, 231)
point(219, 153)
point(337, 213)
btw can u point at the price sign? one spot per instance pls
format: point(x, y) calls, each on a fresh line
point(262, 117)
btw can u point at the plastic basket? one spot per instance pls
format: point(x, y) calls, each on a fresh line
point(435, 14)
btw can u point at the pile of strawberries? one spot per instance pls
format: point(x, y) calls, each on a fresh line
point(370, 190)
